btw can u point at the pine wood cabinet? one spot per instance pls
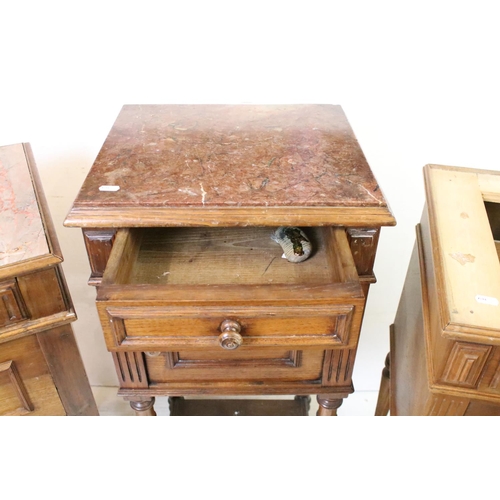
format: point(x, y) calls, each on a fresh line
point(41, 372)
point(445, 341)
point(193, 295)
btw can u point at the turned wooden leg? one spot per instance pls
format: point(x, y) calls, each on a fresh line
point(328, 404)
point(144, 408)
point(384, 393)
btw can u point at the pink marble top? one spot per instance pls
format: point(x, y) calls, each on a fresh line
point(22, 234)
point(225, 156)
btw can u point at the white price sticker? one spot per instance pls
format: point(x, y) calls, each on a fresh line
point(483, 299)
point(109, 188)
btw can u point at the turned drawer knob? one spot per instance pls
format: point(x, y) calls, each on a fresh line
point(230, 337)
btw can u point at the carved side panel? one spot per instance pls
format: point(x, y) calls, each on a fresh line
point(489, 380)
point(131, 370)
point(338, 366)
point(465, 364)
point(446, 406)
point(9, 376)
point(98, 244)
point(495, 381)
point(12, 308)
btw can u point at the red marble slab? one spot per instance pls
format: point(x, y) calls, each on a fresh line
point(22, 233)
point(220, 157)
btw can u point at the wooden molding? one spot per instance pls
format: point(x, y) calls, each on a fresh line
point(99, 244)
point(465, 364)
point(113, 217)
point(338, 367)
point(173, 361)
point(131, 369)
point(440, 405)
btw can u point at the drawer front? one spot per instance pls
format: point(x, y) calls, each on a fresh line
point(164, 328)
point(43, 293)
point(240, 371)
point(11, 305)
point(33, 301)
point(245, 364)
point(32, 296)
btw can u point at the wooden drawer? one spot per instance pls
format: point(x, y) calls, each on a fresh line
point(33, 302)
point(164, 328)
point(181, 288)
point(245, 364)
point(44, 293)
point(247, 370)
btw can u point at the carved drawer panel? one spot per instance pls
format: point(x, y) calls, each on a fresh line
point(247, 365)
point(43, 293)
point(151, 328)
point(33, 301)
point(12, 309)
point(244, 364)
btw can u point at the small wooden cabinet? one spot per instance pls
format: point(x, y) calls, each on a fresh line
point(445, 341)
point(41, 372)
point(193, 295)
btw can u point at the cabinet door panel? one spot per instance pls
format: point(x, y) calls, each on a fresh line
point(243, 364)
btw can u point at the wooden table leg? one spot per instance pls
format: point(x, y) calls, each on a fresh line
point(384, 394)
point(144, 408)
point(329, 403)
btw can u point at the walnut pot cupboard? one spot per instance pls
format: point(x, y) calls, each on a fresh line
point(41, 371)
point(445, 341)
point(192, 293)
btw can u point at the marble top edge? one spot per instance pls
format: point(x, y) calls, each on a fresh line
point(224, 155)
